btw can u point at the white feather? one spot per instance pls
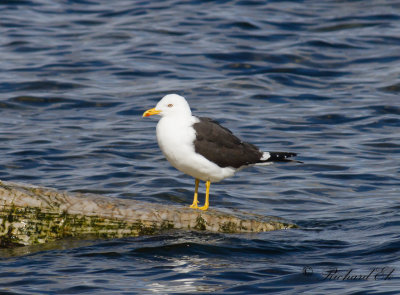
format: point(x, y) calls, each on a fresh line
point(175, 136)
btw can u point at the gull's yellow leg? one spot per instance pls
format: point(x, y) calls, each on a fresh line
point(195, 201)
point(207, 203)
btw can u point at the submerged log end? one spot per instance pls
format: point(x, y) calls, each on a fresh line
point(35, 215)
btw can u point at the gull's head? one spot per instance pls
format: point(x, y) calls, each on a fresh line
point(170, 105)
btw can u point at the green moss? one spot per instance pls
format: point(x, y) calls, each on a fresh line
point(21, 225)
point(9, 242)
point(228, 227)
point(166, 225)
point(200, 223)
point(35, 226)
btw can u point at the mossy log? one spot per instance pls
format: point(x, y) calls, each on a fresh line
point(34, 215)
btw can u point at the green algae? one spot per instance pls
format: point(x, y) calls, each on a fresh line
point(32, 215)
point(22, 226)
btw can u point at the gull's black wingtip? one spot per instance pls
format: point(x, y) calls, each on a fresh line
point(282, 157)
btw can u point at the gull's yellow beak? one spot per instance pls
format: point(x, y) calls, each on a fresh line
point(151, 112)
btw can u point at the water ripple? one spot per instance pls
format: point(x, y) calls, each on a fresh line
point(317, 78)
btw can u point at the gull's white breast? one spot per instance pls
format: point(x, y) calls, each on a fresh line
point(176, 136)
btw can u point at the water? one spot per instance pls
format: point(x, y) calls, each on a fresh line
point(320, 79)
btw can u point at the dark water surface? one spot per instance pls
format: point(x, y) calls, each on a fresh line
point(321, 78)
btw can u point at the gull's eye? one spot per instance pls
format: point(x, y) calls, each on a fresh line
point(170, 105)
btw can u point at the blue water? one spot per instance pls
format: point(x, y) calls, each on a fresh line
point(320, 78)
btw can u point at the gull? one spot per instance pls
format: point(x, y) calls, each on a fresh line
point(202, 148)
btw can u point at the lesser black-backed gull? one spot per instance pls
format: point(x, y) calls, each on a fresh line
point(202, 148)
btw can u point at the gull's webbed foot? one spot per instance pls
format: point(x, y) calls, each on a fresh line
point(194, 205)
point(204, 208)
